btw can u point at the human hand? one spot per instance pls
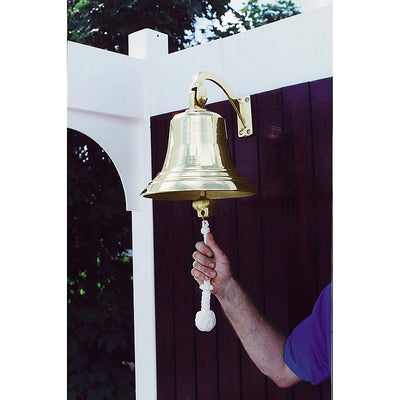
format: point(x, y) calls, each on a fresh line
point(211, 263)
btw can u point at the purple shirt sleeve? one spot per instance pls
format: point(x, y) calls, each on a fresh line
point(308, 348)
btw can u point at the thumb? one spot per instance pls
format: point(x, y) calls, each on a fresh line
point(212, 244)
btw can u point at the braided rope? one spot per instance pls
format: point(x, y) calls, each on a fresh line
point(205, 318)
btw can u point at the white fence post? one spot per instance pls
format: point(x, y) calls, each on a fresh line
point(145, 44)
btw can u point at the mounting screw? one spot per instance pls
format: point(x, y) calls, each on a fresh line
point(247, 99)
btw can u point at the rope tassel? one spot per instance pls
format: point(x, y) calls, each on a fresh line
point(205, 318)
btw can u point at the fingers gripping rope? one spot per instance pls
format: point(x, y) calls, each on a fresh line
point(205, 318)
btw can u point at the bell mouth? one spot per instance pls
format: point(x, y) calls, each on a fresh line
point(174, 188)
point(195, 194)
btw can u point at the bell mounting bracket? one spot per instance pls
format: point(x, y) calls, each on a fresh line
point(242, 106)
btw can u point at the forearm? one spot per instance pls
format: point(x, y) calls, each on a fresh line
point(263, 343)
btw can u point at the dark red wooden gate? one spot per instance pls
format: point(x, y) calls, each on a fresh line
point(279, 243)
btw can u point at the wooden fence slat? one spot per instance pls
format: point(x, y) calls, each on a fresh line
point(321, 106)
point(268, 125)
point(250, 245)
point(185, 364)
point(300, 199)
point(165, 335)
point(326, 390)
point(300, 212)
point(272, 181)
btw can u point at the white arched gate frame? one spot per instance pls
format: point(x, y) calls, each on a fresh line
point(111, 98)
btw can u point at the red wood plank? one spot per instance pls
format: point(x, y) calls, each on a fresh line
point(185, 362)
point(159, 126)
point(321, 103)
point(321, 115)
point(250, 257)
point(300, 201)
point(300, 211)
point(269, 125)
point(165, 335)
point(326, 390)
point(269, 130)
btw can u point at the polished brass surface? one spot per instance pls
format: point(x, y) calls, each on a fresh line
point(197, 160)
point(204, 206)
point(198, 165)
point(245, 111)
point(242, 106)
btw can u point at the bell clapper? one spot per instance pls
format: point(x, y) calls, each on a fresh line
point(205, 318)
point(203, 205)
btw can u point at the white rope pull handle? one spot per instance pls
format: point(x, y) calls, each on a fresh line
point(205, 318)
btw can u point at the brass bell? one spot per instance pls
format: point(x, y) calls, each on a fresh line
point(198, 165)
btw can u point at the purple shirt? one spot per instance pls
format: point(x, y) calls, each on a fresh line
point(308, 350)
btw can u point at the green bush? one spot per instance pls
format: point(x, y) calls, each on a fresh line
point(100, 295)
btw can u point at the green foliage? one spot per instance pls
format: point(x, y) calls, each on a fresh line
point(257, 13)
point(100, 298)
point(106, 24)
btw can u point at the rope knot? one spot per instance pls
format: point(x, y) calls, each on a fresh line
point(205, 228)
point(205, 320)
point(207, 286)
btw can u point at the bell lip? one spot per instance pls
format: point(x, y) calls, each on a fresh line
point(191, 194)
point(166, 186)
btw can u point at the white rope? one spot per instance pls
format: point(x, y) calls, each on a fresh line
point(205, 318)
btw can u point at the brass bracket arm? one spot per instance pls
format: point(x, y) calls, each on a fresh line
point(242, 106)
